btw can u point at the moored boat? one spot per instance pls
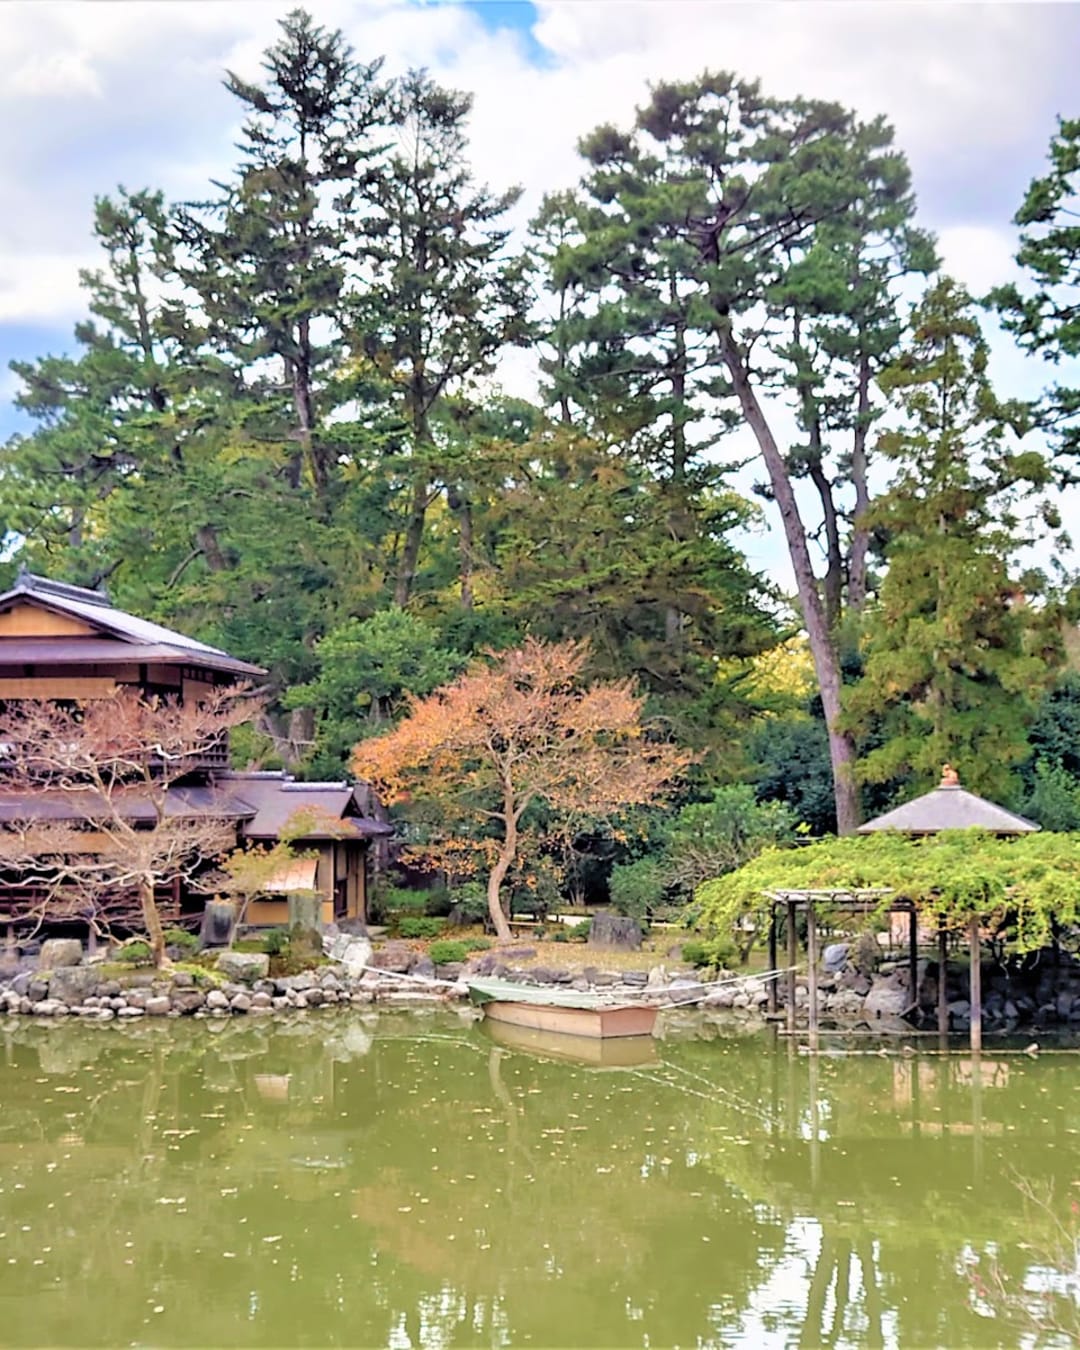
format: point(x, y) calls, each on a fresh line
point(570, 1012)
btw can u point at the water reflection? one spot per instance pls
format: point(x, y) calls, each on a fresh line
point(413, 1182)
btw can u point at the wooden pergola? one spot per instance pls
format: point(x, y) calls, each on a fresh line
point(947, 807)
point(789, 903)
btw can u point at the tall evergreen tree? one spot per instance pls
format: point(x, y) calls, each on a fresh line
point(97, 413)
point(442, 297)
point(267, 260)
point(1044, 312)
point(956, 652)
point(785, 221)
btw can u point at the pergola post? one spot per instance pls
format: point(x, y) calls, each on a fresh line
point(976, 987)
point(792, 961)
point(811, 972)
point(772, 958)
point(942, 981)
point(913, 958)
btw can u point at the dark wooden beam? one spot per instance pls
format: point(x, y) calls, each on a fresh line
point(811, 974)
point(913, 957)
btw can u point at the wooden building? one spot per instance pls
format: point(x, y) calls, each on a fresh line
point(61, 642)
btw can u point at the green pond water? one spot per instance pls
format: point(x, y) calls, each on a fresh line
point(409, 1180)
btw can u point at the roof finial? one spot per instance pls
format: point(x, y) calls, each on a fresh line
point(949, 776)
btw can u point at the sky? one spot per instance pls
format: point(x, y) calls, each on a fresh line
point(99, 94)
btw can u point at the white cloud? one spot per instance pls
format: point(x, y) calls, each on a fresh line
point(981, 256)
point(40, 288)
point(131, 92)
point(54, 75)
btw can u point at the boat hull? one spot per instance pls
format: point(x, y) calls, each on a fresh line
point(594, 1023)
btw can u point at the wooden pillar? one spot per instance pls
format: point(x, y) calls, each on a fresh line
point(811, 972)
point(913, 958)
point(772, 958)
point(792, 961)
point(942, 982)
point(976, 987)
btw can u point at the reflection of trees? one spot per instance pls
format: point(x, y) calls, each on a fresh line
point(904, 1176)
point(322, 1181)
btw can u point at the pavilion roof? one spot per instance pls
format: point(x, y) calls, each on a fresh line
point(949, 807)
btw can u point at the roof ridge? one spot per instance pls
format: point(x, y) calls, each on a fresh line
point(35, 584)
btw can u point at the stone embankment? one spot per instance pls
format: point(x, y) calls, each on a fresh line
point(64, 983)
point(858, 989)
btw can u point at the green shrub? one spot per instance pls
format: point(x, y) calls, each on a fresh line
point(397, 899)
point(439, 902)
point(718, 952)
point(477, 944)
point(135, 953)
point(469, 900)
point(560, 935)
point(180, 937)
point(275, 941)
point(580, 931)
point(420, 926)
point(448, 952)
point(636, 888)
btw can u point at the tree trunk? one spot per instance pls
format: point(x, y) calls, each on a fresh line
point(826, 663)
point(210, 545)
point(499, 871)
point(460, 505)
point(860, 534)
point(834, 562)
point(152, 920)
point(304, 408)
point(414, 534)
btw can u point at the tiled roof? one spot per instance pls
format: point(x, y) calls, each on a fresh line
point(152, 640)
point(262, 804)
point(276, 798)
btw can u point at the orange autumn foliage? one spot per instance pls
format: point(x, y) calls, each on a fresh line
point(518, 728)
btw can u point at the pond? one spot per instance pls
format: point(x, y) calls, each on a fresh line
point(408, 1180)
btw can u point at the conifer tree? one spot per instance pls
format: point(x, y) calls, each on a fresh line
point(97, 413)
point(960, 643)
point(784, 221)
point(1044, 312)
point(442, 296)
point(267, 259)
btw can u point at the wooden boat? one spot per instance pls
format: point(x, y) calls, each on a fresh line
point(568, 1011)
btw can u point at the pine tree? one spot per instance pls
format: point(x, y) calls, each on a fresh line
point(267, 260)
point(442, 298)
point(783, 220)
point(97, 414)
point(1044, 313)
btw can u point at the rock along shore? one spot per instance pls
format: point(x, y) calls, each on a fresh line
point(66, 984)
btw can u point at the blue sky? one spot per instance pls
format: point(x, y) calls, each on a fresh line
point(107, 93)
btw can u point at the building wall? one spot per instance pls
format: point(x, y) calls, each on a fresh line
point(26, 620)
point(339, 860)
